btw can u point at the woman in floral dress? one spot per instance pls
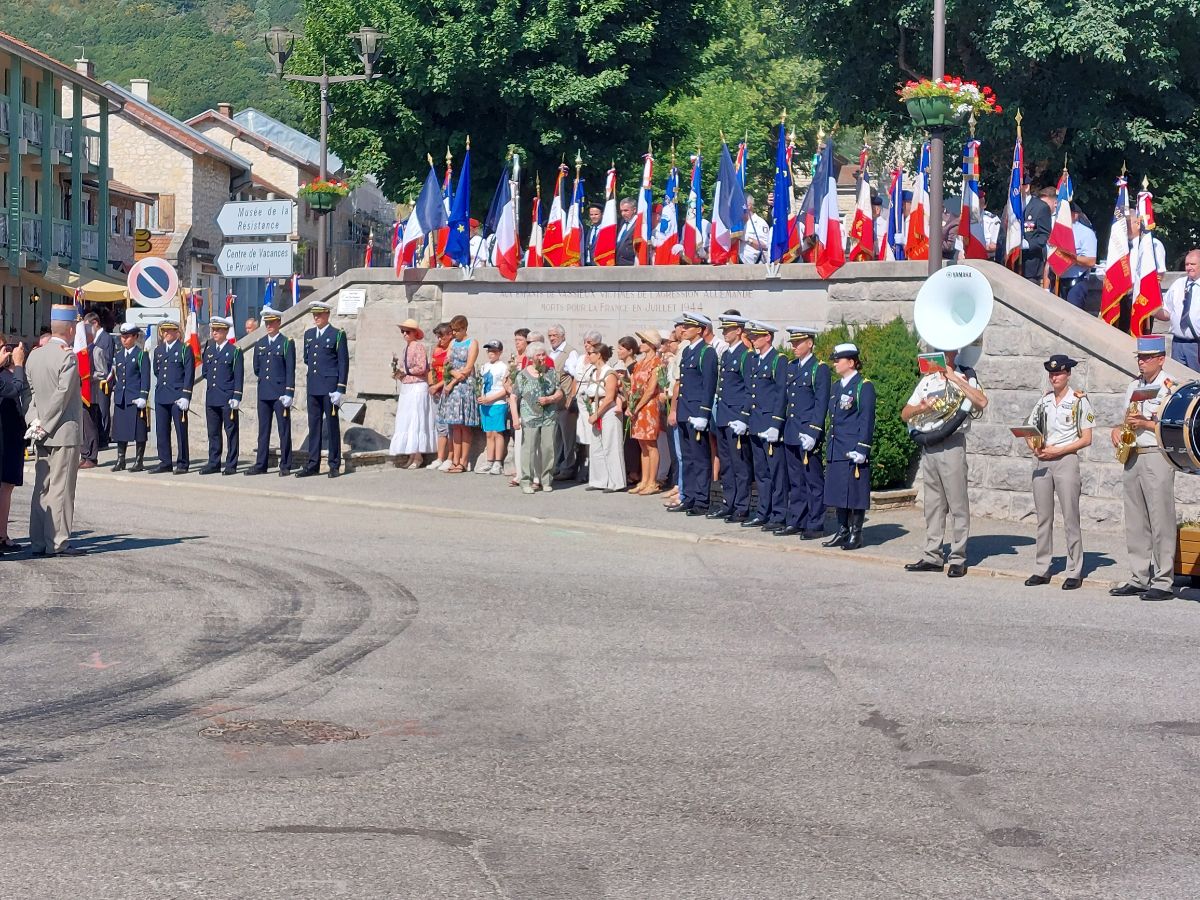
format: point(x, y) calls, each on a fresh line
point(646, 384)
point(459, 406)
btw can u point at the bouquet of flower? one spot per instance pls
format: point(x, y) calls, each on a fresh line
point(327, 187)
point(590, 407)
point(964, 97)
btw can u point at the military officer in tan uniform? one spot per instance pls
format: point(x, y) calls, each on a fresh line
point(1065, 419)
point(1149, 483)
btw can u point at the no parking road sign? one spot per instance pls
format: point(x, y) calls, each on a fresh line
point(153, 282)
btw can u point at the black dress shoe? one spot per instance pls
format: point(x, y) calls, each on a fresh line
point(754, 522)
point(1155, 594)
point(736, 518)
point(119, 466)
point(839, 537)
point(1127, 590)
point(923, 565)
point(306, 473)
point(137, 467)
point(680, 507)
point(231, 470)
point(1035, 580)
point(854, 541)
point(284, 473)
point(182, 470)
point(334, 473)
point(721, 512)
point(210, 470)
point(698, 511)
point(958, 570)
point(773, 527)
point(1071, 584)
point(812, 535)
point(161, 469)
point(789, 531)
point(256, 470)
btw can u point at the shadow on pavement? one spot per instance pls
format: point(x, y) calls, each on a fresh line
point(109, 543)
point(981, 548)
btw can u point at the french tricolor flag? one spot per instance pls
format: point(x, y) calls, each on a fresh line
point(830, 253)
point(1062, 235)
point(693, 233)
point(1148, 292)
point(1014, 211)
point(970, 219)
point(1118, 270)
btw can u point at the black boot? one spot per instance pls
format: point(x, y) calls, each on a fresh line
point(120, 466)
point(839, 537)
point(856, 526)
point(139, 457)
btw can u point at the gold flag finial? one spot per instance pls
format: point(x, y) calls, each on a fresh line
point(468, 142)
point(429, 156)
point(449, 157)
point(971, 123)
point(783, 117)
point(1145, 182)
point(578, 162)
point(1123, 169)
point(672, 153)
point(649, 148)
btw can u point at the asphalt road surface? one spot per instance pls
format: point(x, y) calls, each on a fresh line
point(267, 697)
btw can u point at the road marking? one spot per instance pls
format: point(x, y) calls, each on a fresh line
point(97, 663)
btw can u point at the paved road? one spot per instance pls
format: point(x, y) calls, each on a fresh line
point(546, 711)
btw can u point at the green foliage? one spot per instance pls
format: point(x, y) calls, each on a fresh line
point(889, 358)
point(1101, 83)
point(196, 55)
point(546, 76)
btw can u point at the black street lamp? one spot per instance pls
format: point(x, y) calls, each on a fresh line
point(280, 43)
point(937, 143)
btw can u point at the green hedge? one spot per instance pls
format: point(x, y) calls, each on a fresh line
point(889, 358)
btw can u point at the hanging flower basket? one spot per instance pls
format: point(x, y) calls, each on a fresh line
point(936, 104)
point(323, 196)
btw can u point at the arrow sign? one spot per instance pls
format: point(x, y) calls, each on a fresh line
point(272, 260)
point(256, 218)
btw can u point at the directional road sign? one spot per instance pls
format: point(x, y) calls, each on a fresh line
point(153, 282)
point(256, 218)
point(142, 317)
point(267, 260)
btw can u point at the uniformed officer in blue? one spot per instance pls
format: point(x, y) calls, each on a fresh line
point(803, 436)
point(328, 361)
point(275, 368)
point(129, 379)
point(768, 402)
point(697, 387)
point(731, 417)
point(174, 375)
point(852, 424)
point(224, 370)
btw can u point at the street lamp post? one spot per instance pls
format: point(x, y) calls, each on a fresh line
point(937, 140)
point(280, 43)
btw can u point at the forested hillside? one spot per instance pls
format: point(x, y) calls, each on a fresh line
point(196, 54)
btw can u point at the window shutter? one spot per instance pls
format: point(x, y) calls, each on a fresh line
point(166, 212)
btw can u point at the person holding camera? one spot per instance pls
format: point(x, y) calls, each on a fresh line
point(13, 391)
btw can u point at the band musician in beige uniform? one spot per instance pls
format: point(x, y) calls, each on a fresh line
point(1149, 483)
point(1065, 418)
point(944, 468)
point(56, 428)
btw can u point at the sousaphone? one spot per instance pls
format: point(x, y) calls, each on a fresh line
point(952, 310)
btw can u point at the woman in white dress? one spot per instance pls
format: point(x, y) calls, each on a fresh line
point(414, 434)
point(607, 470)
point(585, 375)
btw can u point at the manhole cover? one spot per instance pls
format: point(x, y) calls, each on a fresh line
point(280, 732)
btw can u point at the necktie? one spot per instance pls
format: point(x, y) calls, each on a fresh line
point(1185, 319)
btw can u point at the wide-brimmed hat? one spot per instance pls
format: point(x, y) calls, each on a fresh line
point(650, 336)
point(1060, 362)
point(411, 325)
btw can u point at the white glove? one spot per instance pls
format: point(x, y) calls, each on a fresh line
point(771, 435)
point(807, 441)
point(139, 403)
point(336, 398)
point(738, 427)
point(35, 432)
point(286, 401)
point(182, 403)
point(698, 422)
point(234, 403)
point(1024, 244)
point(855, 457)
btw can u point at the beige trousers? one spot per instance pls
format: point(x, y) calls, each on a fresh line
point(1149, 482)
point(1058, 478)
point(537, 454)
point(52, 507)
point(944, 474)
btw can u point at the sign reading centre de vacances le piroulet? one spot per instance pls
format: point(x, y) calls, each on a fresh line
point(256, 218)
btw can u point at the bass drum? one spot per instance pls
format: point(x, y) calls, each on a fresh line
point(1177, 428)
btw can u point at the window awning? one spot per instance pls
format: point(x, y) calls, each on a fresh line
point(96, 288)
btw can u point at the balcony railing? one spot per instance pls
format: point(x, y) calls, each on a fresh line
point(63, 134)
point(31, 125)
point(62, 239)
point(4, 116)
point(3, 228)
point(89, 243)
point(31, 235)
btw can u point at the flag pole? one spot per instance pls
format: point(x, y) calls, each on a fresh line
point(937, 140)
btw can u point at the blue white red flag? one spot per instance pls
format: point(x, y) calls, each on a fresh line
point(1014, 210)
point(830, 252)
point(728, 213)
point(666, 233)
point(1118, 271)
point(693, 225)
point(895, 228)
point(1062, 236)
point(916, 241)
point(554, 250)
point(427, 216)
point(573, 230)
point(862, 229)
point(643, 221)
point(970, 219)
point(508, 239)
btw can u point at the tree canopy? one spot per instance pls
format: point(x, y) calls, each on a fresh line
point(1100, 83)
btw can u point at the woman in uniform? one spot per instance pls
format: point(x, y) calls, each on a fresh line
point(848, 473)
point(130, 380)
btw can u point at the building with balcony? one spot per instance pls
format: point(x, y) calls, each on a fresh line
point(284, 161)
point(54, 174)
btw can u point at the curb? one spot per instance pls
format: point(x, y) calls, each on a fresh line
point(566, 524)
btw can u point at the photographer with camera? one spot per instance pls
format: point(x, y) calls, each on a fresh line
point(13, 394)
